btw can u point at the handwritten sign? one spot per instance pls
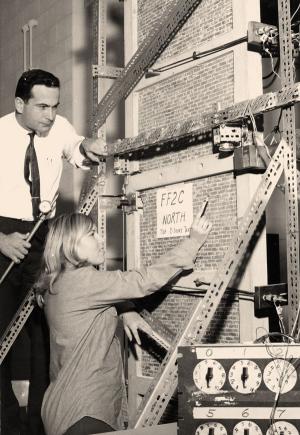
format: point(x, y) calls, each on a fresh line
point(174, 210)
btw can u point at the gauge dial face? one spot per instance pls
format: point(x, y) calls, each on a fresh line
point(282, 427)
point(45, 207)
point(245, 376)
point(211, 428)
point(280, 376)
point(209, 376)
point(248, 427)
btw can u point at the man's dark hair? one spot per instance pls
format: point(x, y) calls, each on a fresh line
point(34, 77)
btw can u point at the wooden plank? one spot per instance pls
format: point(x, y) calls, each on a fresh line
point(181, 172)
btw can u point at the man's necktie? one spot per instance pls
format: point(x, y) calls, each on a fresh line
point(32, 176)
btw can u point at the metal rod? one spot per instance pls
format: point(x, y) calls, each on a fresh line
point(25, 29)
point(25, 309)
point(31, 23)
point(41, 219)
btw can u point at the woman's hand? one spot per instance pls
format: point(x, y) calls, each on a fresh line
point(200, 228)
point(132, 323)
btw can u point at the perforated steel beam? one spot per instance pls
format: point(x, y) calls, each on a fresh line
point(110, 72)
point(290, 170)
point(194, 128)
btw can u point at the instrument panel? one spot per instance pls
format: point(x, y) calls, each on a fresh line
point(239, 389)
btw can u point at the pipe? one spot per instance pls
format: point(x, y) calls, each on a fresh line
point(25, 29)
point(31, 23)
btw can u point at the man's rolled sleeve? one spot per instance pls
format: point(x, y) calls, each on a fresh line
point(72, 142)
point(78, 158)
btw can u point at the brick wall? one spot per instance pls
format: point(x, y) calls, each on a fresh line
point(185, 95)
point(211, 18)
point(221, 211)
point(176, 95)
point(172, 309)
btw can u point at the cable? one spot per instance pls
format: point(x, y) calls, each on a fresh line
point(272, 72)
point(278, 122)
point(255, 138)
point(296, 322)
point(196, 56)
point(294, 69)
point(272, 61)
point(295, 12)
point(278, 309)
point(270, 83)
point(281, 375)
point(273, 335)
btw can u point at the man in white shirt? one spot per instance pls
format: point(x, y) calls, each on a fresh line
point(53, 138)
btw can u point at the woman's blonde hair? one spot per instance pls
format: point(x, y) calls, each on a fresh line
point(61, 247)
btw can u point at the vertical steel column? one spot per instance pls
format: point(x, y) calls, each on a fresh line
point(102, 14)
point(290, 169)
point(100, 87)
point(98, 34)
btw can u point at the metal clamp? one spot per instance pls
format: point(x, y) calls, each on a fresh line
point(131, 202)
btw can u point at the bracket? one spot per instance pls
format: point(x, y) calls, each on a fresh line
point(124, 166)
point(108, 72)
point(266, 296)
point(131, 202)
point(227, 137)
point(266, 36)
point(226, 133)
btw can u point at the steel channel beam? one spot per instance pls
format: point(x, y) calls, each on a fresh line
point(290, 170)
point(191, 130)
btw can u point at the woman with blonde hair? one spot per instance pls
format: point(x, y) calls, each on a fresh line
point(86, 392)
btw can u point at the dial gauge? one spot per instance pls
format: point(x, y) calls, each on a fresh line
point(280, 376)
point(246, 427)
point(209, 376)
point(45, 207)
point(211, 428)
point(282, 427)
point(245, 376)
